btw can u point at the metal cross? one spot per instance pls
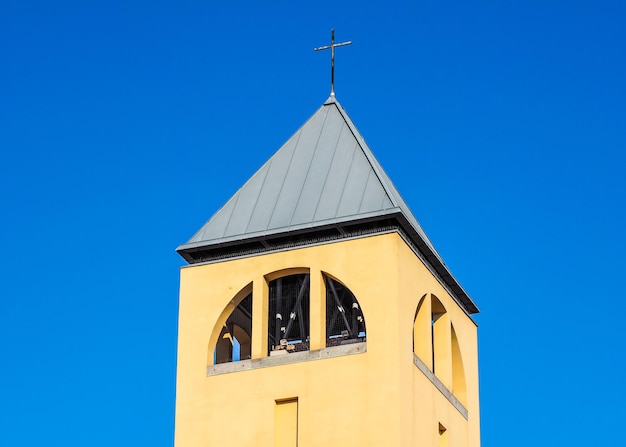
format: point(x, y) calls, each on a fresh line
point(332, 58)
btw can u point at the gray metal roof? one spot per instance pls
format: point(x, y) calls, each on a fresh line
point(324, 175)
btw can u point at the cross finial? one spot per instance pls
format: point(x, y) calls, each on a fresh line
point(332, 58)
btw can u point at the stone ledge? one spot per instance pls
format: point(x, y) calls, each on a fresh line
point(296, 357)
point(440, 386)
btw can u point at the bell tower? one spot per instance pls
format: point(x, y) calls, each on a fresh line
point(315, 311)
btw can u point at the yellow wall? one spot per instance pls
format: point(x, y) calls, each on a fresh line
point(374, 398)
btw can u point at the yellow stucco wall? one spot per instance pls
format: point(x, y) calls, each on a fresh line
point(374, 398)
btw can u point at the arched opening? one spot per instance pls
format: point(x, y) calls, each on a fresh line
point(288, 325)
point(344, 318)
point(234, 341)
point(458, 372)
point(422, 344)
point(439, 334)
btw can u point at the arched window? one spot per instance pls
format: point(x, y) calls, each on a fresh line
point(422, 332)
point(458, 372)
point(288, 328)
point(344, 318)
point(439, 336)
point(234, 341)
point(436, 345)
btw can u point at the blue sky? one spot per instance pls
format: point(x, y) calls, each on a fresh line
point(125, 125)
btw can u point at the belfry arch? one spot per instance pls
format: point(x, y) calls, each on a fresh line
point(459, 387)
point(440, 338)
point(436, 345)
point(345, 322)
point(422, 345)
point(288, 311)
point(231, 338)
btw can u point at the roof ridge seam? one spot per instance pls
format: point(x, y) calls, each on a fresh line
point(332, 160)
point(345, 180)
point(382, 202)
point(363, 145)
point(284, 178)
point(237, 195)
point(308, 169)
point(369, 174)
point(385, 181)
point(267, 172)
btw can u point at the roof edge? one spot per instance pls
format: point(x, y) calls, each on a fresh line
point(290, 237)
point(268, 234)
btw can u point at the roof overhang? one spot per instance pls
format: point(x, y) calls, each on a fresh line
point(324, 232)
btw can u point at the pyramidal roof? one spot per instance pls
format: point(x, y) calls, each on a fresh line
point(323, 183)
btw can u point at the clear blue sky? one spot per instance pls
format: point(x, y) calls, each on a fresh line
point(125, 125)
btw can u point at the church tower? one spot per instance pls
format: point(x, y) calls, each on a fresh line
point(316, 312)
